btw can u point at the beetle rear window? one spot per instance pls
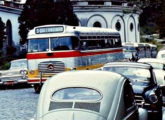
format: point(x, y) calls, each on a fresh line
point(76, 94)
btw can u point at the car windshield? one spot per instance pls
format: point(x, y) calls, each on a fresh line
point(18, 64)
point(73, 94)
point(157, 65)
point(134, 73)
point(163, 55)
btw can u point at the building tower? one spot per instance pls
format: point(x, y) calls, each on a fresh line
point(116, 14)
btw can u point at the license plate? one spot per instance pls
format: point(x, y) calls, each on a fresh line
point(10, 82)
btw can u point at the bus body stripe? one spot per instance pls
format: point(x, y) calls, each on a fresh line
point(68, 54)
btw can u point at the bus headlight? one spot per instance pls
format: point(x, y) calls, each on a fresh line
point(71, 69)
point(153, 98)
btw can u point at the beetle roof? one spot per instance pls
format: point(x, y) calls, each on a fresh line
point(83, 78)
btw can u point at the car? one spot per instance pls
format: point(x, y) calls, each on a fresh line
point(16, 74)
point(161, 54)
point(148, 93)
point(159, 66)
point(155, 62)
point(87, 94)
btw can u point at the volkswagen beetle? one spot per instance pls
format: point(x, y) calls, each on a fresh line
point(93, 95)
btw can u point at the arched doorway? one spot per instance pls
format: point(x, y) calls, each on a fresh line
point(9, 33)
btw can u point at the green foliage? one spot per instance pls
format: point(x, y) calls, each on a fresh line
point(152, 41)
point(42, 12)
point(153, 15)
point(5, 66)
point(2, 33)
point(148, 29)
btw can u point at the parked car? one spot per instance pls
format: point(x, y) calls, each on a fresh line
point(161, 54)
point(155, 62)
point(93, 95)
point(159, 66)
point(148, 93)
point(16, 74)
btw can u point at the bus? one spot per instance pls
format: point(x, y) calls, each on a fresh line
point(139, 50)
point(53, 49)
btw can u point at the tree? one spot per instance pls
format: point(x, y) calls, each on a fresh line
point(161, 19)
point(153, 16)
point(2, 33)
point(42, 12)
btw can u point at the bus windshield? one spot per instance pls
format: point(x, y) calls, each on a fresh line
point(57, 43)
point(38, 45)
point(64, 43)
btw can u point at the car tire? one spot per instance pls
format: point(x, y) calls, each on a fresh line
point(37, 88)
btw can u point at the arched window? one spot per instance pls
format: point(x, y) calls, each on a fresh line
point(9, 33)
point(118, 26)
point(97, 24)
point(131, 27)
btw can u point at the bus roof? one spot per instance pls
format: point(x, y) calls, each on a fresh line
point(138, 44)
point(66, 30)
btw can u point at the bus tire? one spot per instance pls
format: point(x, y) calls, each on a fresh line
point(37, 88)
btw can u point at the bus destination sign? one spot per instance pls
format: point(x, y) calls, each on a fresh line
point(52, 29)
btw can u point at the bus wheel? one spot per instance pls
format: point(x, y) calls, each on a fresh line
point(37, 88)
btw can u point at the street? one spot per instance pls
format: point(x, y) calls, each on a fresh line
point(18, 104)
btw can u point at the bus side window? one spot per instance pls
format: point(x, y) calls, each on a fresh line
point(84, 45)
point(107, 45)
point(117, 42)
point(75, 43)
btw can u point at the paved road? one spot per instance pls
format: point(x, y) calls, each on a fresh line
point(18, 104)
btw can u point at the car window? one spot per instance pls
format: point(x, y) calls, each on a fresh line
point(76, 98)
point(18, 64)
point(72, 94)
point(131, 72)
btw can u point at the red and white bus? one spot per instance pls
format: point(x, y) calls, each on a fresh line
point(57, 48)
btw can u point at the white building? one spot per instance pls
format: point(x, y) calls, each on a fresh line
point(9, 12)
point(114, 14)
